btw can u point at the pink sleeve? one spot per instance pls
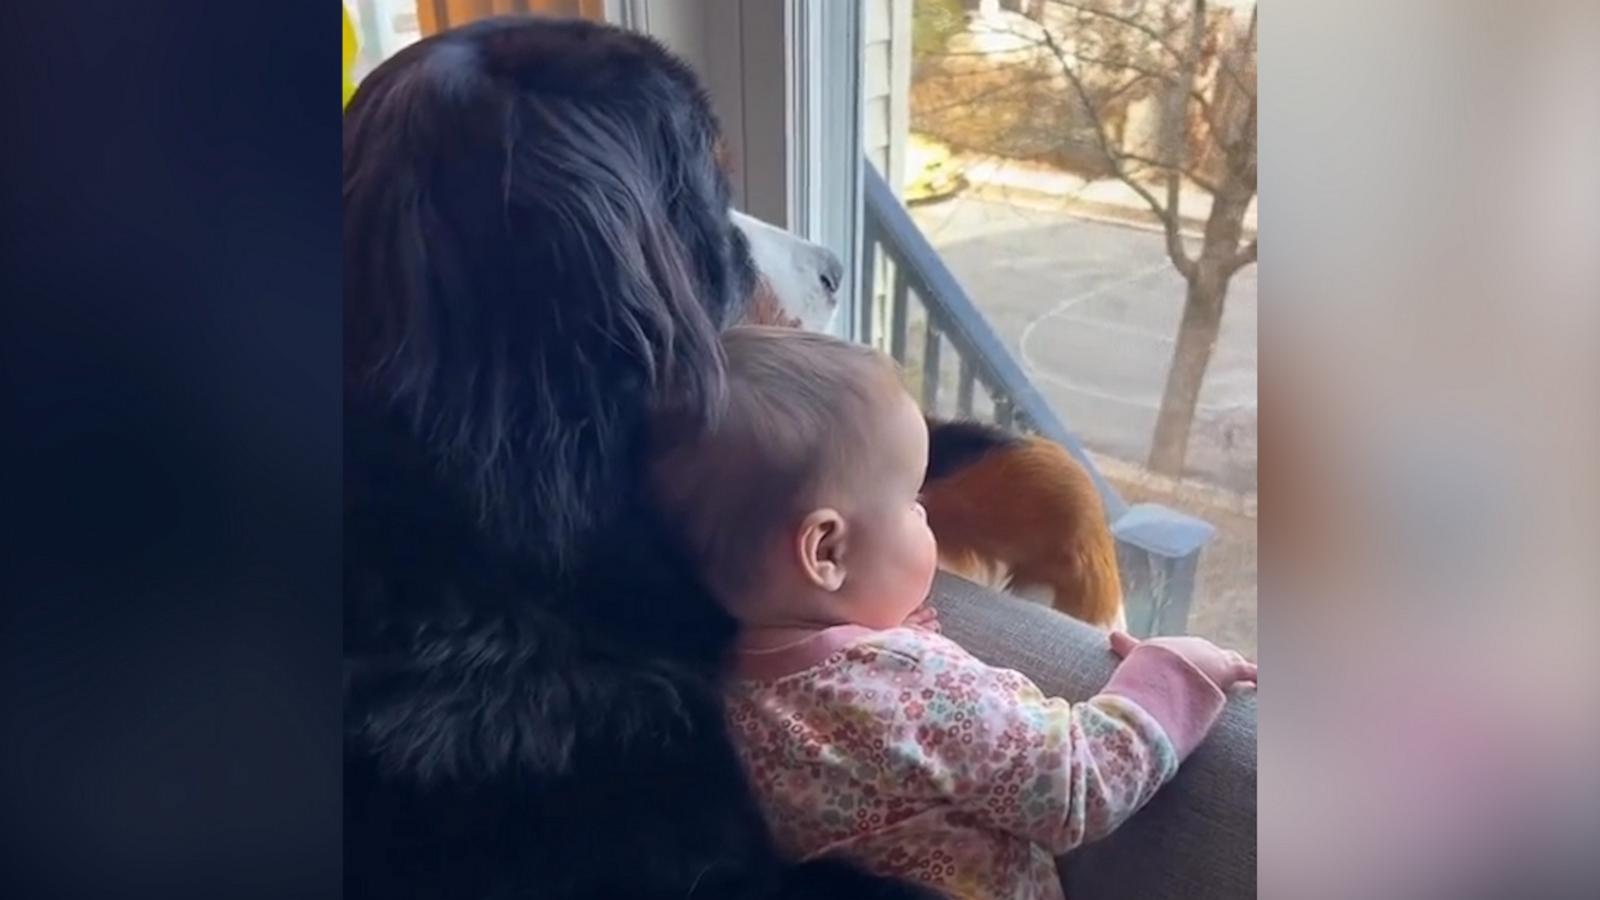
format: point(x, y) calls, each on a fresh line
point(1176, 694)
point(1057, 773)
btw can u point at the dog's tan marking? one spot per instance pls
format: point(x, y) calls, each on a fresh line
point(766, 309)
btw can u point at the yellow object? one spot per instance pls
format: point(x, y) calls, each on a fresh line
point(351, 48)
point(932, 172)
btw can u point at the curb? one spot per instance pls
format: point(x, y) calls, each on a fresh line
point(1102, 213)
point(1183, 490)
point(1091, 210)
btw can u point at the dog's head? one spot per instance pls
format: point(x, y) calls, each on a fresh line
point(797, 281)
point(538, 249)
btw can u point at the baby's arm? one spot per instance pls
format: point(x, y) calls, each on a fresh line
point(1063, 774)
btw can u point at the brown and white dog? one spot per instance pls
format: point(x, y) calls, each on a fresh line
point(1011, 512)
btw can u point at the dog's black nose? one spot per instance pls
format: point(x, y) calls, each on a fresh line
point(832, 273)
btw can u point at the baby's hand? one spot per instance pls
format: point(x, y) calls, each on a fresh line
point(1225, 668)
point(924, 617)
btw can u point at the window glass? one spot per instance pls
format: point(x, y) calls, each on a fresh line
point(1086, 170)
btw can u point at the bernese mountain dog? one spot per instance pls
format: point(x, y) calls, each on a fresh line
point(538, 251)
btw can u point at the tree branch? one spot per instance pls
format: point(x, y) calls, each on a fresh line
point(1175, 133)
point(1183, 79)
point(1241, 155)
point(1198, 97)
point(1167, 214)
point(1156, 36)
point(1176, 128)
point(1167, 77)
point(1244, 257)
point(1200, 180)
point(1126, 21)
point(967, 100)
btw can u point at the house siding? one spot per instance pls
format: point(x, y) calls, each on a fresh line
point(886, 86)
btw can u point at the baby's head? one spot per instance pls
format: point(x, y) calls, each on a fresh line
point(800, 504)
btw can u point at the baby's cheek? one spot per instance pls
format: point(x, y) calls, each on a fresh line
point(930, 550)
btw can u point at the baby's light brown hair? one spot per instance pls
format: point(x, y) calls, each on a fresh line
point(797, 425)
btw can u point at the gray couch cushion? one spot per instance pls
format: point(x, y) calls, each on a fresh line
point(1197, 838)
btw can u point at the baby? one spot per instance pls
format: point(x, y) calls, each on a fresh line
point(863, 731)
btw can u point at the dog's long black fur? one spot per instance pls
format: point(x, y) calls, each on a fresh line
point(955, 445)
point(537, 253)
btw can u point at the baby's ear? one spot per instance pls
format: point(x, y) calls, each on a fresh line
point(821, 545)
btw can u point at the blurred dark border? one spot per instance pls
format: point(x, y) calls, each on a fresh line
point(169, 472)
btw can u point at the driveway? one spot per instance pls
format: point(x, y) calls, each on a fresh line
point(1091, 310)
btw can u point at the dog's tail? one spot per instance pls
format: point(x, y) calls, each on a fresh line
point(828, 878)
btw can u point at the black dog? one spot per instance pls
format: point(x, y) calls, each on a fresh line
point(538, 251)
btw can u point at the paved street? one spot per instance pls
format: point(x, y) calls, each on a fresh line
point(1092, 310)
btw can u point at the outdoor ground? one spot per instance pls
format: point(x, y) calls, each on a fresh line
point(1090, 309)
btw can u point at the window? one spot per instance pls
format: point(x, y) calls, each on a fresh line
point(382, 28)
point(1086, 172)
point(1032, 150)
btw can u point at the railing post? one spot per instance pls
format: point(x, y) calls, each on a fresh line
point(964, 387)
point(930, 367)
point(869, 274)
point(1158, 555)
point(897, 316)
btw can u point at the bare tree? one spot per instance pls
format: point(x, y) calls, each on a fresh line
point(1199, 65)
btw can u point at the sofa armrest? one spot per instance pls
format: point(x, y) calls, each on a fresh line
point(1197, 838)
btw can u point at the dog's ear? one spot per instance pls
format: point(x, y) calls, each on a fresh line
point(527, 277)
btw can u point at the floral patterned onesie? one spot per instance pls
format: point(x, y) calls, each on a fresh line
point(903, 751)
